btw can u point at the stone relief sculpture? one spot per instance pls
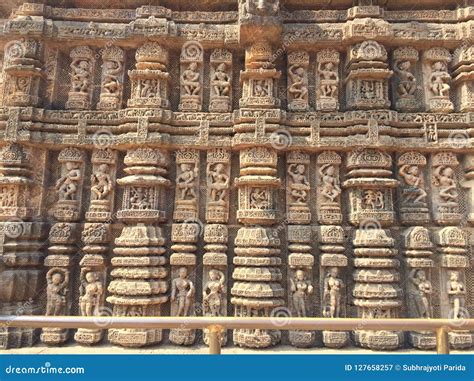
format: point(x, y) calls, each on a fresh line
point(347, 129)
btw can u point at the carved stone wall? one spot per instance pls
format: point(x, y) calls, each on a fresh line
point(246, 158)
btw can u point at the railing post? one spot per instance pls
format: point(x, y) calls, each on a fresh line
point(442, 341)
point(215, 332)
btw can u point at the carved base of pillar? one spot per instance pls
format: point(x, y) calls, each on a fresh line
point(78, 101)
point(255, 338)
point(67, 210)
point(54, 336)
point(109, 102)
point(190, 103)
point(88, 336)
point(335, 339)
point(298, 105)
point(422, 340)
point(18, 337)
point(182, 336)
point(219, 104)
point(414, 216)
point(135, 337)
point(379, 340)
point(461, 339)
point(407, 104)
point(302, 339)
point(329, 215)
point(185, 210)
point(327, 104)
point(440, 104)
point(299, 214)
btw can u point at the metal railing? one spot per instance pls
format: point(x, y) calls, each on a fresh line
point(217, 325)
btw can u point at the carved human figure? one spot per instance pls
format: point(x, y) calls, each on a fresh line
point(190, 80)
point(182, 292)
point(407, 85)
point(221, 80)
point(329, 79)
point(57, 289)
point(373, 199)
point(299, 184)
point(101, 182)
point(213, 294)
point(148, 88)
point(456, 293)
point(422, 291)
point(445, 180)
point(68, 184)
point(439, 79)
point(219, 182)
point(7, 197)
point(413, 177)
point(260, 88)
point(259, 198)
point(81, 76)
point(139, 199)
point(332, 291)
point(297, 87)
point(21, 85)
point(111, 82)
point(301, 288)
point(186, 181)
point(331, 188)
point(91, 292)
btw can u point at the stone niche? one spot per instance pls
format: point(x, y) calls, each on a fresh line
point(250, 158)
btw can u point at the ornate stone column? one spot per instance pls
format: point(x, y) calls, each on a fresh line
point(221, 81)
point(63, 239)
point(437, 80)
point(96, 237)
point(185, 233)
point(21, 276)
point(139, 287)
point(406, 85)
point(191, 78)
point(111, 87)
point(82, 77)
point(463, 77)
point(215, 274)
point(418, 249)
point(298, 94)
point(327, 80)
point(376, 290)
point(469, 185)
point(23, 72)
point(453, 249)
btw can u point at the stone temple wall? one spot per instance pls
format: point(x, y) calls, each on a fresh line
point(246, 158)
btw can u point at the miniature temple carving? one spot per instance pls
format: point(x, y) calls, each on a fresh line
point(247, 158)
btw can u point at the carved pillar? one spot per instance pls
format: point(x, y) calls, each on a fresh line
point(221, 81)
point(191, 79)
point(23, 72)
point(327, 80)
point(453, 249)
point(139, 287)
point(215, 275)
point(412, 192)
point(150, 78)
point(257, 290)
point(445, 189)
point(329, 189)
point(333, 274)
point(405, 82)
point(300, 281)
point(82, 78)
point(51, 69)
point(469, 185)
point(418, 249)
point(185, 233)
point(298, 92)
point(63, 239)
point(437, 80)
point(463, 78)
point(96, 237)
point(376, 290)
point(20, 247)
point(367, 75)
point(111, 87)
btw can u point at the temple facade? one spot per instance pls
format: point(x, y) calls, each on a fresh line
point(247, 158)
